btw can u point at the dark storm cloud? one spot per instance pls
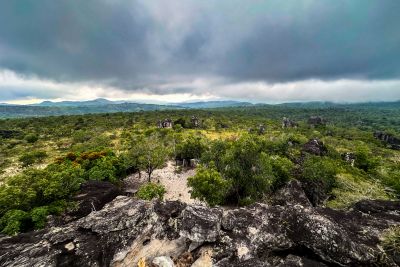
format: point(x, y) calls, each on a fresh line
point(143, 44)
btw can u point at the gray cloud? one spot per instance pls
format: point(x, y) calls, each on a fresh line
point(141, 45)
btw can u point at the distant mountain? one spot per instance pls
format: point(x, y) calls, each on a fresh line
point(48, 108)
point(213, 104)
point(96, 102)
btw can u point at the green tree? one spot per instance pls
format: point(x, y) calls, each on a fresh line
point(191, 148)
point(152, 155)
point(208, 185)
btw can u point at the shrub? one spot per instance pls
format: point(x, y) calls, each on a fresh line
point(31, 138)
point(103, 170)
point(208, 185)
point(319, 177)
point(391, 241)
point(150, 191)
point(39, 216)
point(14, 221)
point(364, 159)
point(31, 158)
point(191, 148)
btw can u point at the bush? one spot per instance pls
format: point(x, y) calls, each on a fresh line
point(14, 221)
point(319, 177)
point(208, 185)
point(191, 148)
point(31, 158)
point(365, 160)
point(150, 191)
point(31, 138)
point(103, 170)
point(39, 216)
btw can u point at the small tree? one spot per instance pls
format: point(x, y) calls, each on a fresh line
point(208, 185)
point(152, 155)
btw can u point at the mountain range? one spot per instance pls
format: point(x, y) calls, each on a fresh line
point(101, 105)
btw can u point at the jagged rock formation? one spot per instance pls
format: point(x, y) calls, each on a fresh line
point(315, 147)
point(349, 157)
point(316, 121)
point(389, 139)
point(287, 123)
point(92, 196)
point(6, 134)
point(288, 232)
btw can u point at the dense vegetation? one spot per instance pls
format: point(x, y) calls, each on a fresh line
point(43, 161)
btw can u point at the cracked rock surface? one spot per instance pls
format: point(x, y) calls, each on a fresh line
point(288, 232)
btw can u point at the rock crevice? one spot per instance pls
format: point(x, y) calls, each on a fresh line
point(287, 232)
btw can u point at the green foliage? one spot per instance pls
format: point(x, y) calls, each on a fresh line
point(31, 158)
point(31, 138)
point(364, 159)
point(320, 170)
point(103, 170)
point(391, 241)
point(191, 148)
point(14, 221)
point(108, 146)
point(151, 155)
point(151, 191)
point(250, 171)
point(208, 185)
point(392, 179)
point(38, 216)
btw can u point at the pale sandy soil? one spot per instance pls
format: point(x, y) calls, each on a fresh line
point(175, 183)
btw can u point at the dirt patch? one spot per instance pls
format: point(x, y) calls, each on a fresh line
point(175, 183)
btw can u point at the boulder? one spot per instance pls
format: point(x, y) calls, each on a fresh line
point(315, 147)
point(291, 194)
point(316, 121)
point(92, 196)
point(7, 134)
point(388, 139)
point(286, 233)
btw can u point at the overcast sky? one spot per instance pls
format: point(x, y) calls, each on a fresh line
point(181, 50)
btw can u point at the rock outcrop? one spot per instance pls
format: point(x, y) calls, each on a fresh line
point(316, 121)
point(7, 134)
point(287, 232)
point(388, 139)
point(92, 196)
point(315, 147)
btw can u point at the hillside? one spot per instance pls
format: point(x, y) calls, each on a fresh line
point(343, 160)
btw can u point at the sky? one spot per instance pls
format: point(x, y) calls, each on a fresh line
point(268, 51)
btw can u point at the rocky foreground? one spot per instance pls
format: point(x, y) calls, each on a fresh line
point(288, 232)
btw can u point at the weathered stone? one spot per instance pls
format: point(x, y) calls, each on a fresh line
point(287, 123)
point(201, 224)
point(7, 134)
point(389, 139)
point(163, 262)
point(291, 194)
point(288, 233)
point(92, 196)
point(316, 121)
point(315, 147)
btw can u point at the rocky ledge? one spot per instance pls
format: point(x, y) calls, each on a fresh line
point(287, 232)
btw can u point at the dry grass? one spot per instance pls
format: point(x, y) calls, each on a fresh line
point(351, 189)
